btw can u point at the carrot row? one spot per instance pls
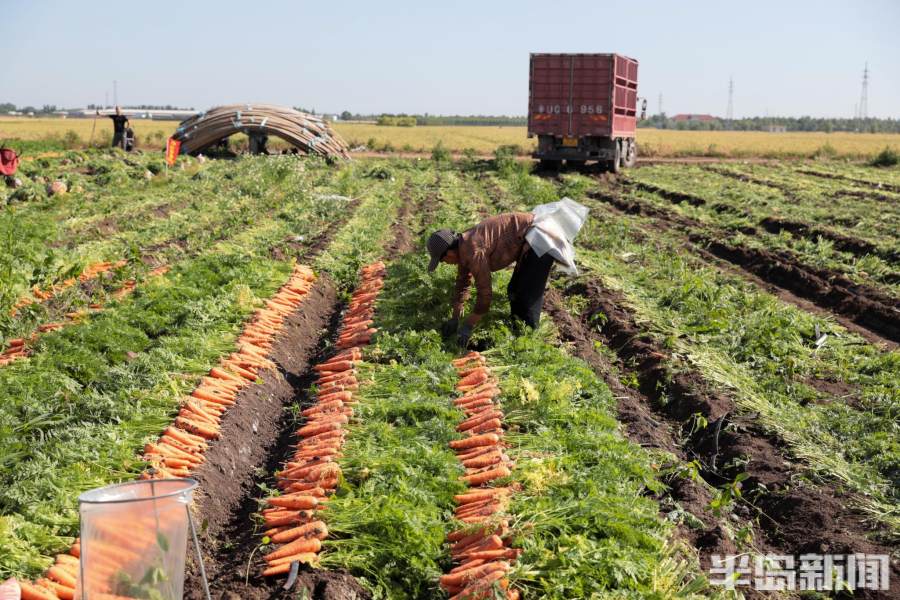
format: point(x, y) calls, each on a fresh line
point(19, 348)
point(480, 548)
point(310, 476)
point(181, 447)
point(90, 272)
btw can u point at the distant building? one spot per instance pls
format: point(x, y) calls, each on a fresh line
point(687, 118)
point(775, 128)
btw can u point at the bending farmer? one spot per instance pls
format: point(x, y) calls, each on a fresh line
point(120, 121)
point(493, 244)
point(534, 241)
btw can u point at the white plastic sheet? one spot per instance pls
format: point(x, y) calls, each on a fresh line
point(554, 229)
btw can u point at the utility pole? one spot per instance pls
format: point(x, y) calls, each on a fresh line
point(115, 93)
point(105, 99)
point(864, 96)
point(661, 113)
point(729, 113)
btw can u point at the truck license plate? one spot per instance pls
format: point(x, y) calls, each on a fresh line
point(568, 141)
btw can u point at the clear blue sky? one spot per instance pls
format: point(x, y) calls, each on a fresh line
point(787, 57)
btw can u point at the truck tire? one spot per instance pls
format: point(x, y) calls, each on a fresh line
point(631, 154)
point(615, 165)
point(549, 166)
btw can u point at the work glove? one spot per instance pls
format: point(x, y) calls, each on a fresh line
point(465, 332)
point(449, 327)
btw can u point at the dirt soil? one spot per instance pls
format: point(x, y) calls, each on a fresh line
point(256, 435)
point(872, 313)
point(794, 517)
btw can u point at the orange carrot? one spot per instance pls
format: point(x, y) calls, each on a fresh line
point(484, 477)
point(480, 572)
point(62, 592)
point(313, 529)
point(294, 501)
point(483, 494)
point(487, 439)
point(205, 431)
point(33, 592)
point(223, 374)
point(298, 546)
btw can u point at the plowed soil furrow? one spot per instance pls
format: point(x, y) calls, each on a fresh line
point(651, 429)
point(866, 307)
point(794, 518)
point(841, 241)
point(670, 195)
point(256, 435)
point(231, 538)
point(870, 184)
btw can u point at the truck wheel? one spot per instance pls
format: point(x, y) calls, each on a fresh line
point(615, 165)
point(550, 166)
point(631, 154)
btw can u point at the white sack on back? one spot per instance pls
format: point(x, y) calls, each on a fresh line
point(554, 229)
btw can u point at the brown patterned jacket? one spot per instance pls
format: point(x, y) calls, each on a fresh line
point(493, 244)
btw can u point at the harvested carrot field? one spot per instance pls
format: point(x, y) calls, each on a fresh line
point(721, 378)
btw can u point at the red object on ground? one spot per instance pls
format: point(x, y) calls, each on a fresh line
point(173, 148)
point(9, 161)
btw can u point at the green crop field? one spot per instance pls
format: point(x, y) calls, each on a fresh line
point(722, 376)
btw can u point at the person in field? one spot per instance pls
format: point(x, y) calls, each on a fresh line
point(533, 240)
point(120, 123)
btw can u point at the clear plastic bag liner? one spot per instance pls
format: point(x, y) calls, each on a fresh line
point(554, 229)
point(134, 540)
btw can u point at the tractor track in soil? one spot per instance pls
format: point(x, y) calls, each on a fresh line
point(860, 308)
point(257, 434)
point(794, 517)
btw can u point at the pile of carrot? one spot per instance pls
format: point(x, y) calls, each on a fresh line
point(16, 348)
point(179, 450)
point(90, 272)
point(312, 473)
point(182, 445)
point(480, 549)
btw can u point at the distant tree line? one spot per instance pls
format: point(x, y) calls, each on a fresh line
point(47, 109)
point(408, 120)
point(871, 125)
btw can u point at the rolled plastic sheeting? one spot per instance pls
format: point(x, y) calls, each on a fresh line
point(308, 133)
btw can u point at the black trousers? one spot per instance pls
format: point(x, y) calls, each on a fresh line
point(118, 139)
point(527, 286)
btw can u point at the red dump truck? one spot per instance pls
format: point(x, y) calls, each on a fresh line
point(583, 107)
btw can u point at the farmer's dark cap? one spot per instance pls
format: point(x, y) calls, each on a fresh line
point(438, 244)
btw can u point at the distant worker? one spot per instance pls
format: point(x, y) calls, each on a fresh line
point(534, 241)
point(120, 122)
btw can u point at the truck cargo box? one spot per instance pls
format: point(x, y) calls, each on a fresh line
point(575, 96)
